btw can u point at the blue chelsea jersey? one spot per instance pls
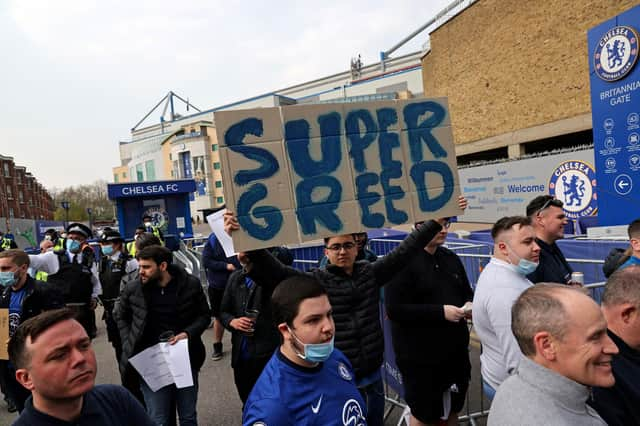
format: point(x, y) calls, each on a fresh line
point(289, 394)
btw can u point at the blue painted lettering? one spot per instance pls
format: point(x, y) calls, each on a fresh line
point(358, 141)
point(419, 175)
point(367, 198)
point(271, 215)
point(309, 211)
point(419, 132)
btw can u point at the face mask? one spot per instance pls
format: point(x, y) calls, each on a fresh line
point(8, 278)
point(148, 224)
point(314, 352)
point(73, 246)
point(107, 250)
point(524, 266)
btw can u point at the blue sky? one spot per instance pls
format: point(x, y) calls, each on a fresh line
point(78, 74)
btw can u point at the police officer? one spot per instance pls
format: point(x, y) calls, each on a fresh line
point(131, 245)
point(115, 269)
point(53, 236)
point(73, 271)
point(6, 243)
point(147, 221)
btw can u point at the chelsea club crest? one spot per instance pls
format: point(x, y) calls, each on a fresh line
point(573, 182)
point(616, 53)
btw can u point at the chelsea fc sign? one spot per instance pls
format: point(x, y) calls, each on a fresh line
point(573, 183)
point(616, 53)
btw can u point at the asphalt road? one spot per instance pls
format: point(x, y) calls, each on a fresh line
point(218, 402)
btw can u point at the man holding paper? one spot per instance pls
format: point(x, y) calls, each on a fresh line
point(164, 304)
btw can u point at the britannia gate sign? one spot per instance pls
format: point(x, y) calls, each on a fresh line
point(299, 173)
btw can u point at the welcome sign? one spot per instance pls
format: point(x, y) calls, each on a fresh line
point(298, 173)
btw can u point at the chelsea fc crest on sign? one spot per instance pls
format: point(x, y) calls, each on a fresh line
point(616, 53)
point(573, 182)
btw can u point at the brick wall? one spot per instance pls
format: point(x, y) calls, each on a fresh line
point(511, 64)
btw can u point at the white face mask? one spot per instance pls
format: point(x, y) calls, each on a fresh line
point(148, 224)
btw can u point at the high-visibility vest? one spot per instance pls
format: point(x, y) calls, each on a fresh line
point(131, 248)
point(41, 276)
point(6, 243)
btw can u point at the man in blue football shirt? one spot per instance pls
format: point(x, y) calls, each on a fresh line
point(306, 381)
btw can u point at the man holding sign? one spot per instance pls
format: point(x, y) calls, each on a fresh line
point(354, 293)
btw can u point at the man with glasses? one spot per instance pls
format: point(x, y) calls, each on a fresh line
point(548, 220)
point(354, 292)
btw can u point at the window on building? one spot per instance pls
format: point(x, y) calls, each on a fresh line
point(139, 173)
point(11, 212)
point(6, 170)
point(216, 165)
point(20, 196)
point(150, 170)
point(115, 178)
point(124, 175)
point(18, 179)
point(219, 200)
point(218, 184)
point(214, 147)
point(9, 192)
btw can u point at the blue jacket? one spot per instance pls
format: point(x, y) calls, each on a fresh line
point(215, 263)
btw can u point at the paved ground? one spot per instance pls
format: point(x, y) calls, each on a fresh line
point(218, 402)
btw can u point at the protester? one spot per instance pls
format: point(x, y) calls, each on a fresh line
point(354, 292)
point(515, 255)
point(634, 240)
point(619, 405)
point(246, 312)
point(364, 253)
point(425, 305)
point(74, 273)
point(55, 361)
point(548, 220)
point(563, 336)
point(115, 268)
point(164, 299)
point(25, 298)
point(218, 268)
point(306, 381)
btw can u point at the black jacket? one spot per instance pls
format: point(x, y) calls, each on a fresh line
point(553, 267)
point(415, 305)
point(355, 298)
point(215, 263)
point(619, 405)
point(236, 300)
point(39, 297)
point(193, 316)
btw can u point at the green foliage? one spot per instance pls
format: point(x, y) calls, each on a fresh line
point(81, 197)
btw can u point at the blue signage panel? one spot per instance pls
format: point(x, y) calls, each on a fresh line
point(615, 106)
point(150, 189)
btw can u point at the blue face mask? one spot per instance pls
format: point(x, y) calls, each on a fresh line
point(8, 278)
point(107, 250)
point(73, 246)
point(524, 266)
point(314, 352)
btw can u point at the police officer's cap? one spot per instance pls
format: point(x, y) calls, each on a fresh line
point(111, 236)
point(79, 228)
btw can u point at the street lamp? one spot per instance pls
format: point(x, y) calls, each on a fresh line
point(89, 211)
point(65, 206)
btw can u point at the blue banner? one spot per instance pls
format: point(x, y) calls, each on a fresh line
point(150, 189)
point(615, 100)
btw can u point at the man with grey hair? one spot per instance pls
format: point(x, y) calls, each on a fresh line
point(563, 335)
point(618, 405)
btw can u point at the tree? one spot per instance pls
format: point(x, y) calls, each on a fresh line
point(81, 197)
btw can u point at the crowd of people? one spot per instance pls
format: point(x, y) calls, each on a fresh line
point(308, 347)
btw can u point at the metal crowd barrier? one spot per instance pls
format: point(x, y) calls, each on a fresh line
point(474, 258)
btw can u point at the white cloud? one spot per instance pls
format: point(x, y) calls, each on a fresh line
point(89, 67)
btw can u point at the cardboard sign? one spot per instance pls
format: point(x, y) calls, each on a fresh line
point(300, 173)
point(4, 333)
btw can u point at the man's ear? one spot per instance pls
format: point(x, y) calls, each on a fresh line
point(545, 345)
point(627, 312)
point(24, 378)
point(284, 330)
